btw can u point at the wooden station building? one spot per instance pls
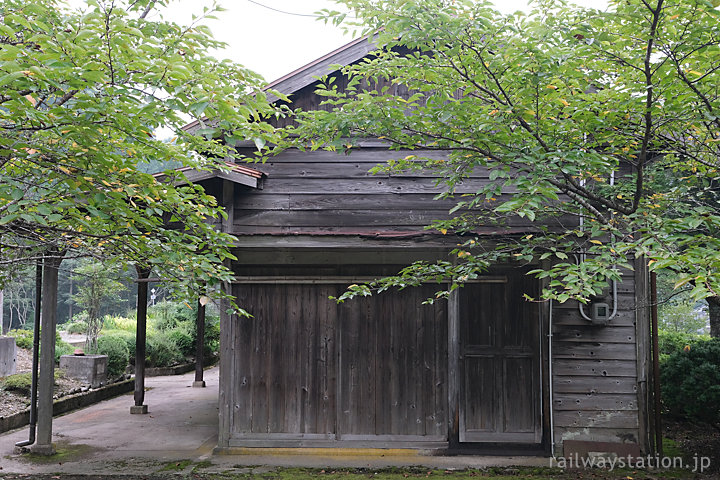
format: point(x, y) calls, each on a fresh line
point(483, 372)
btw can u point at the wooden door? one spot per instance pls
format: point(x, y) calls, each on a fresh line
point(499, 363)
point(392, 368)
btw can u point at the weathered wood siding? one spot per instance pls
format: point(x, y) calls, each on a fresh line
point(306, 371)
point(595, 375)
point(330, 193)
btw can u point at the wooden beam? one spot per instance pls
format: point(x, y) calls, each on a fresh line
point(46, 377)
point(199, 344)
point(228, 203)
point(140, 340)
point(454, 368)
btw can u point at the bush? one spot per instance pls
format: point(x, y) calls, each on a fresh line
point(183, 336)
point(62, 348)
point(22, 382)
point(162, 351)
point(690, 381)
point(77, 328)
point(23, 338)
point(125, 324)
point(670, 342)
point(127, 337)
point(212, 336)
point(115, 347)
point(168, 315)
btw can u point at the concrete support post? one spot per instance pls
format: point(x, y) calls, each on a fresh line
point(46, 376)
point(200, 343)
point(140, 337)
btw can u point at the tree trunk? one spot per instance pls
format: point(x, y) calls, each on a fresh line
point(714, 314)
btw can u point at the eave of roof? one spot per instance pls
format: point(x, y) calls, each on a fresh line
point(308, 74)
point(235, 173)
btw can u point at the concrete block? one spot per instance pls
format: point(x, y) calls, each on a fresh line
point(199, 384)
point(138, 409)
point(8, 356)
point(45, 450)
point(91, 369)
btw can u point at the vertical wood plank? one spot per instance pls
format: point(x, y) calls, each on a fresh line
point(453, 370)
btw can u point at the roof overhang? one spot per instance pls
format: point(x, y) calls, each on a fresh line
point(309, 74)
point(234, 173)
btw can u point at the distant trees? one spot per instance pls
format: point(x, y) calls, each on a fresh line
point(97, 293)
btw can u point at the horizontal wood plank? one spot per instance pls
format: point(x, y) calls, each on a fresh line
point(595, 402)
point(598, 434)
point(343, 201)
point(626, 419)
point(594, 333)
point(594, 350)
point(572, 317)
point(593, 384)
point(367, 154)
point(371, 185)
point(599, 368)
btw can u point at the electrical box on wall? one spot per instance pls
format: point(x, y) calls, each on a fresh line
point(600, 313)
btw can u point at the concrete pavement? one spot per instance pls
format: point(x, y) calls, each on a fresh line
point(179, 434)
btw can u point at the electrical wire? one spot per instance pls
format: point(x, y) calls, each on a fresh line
point(283, 11)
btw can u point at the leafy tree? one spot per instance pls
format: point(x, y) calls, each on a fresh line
point(97, 292)
point(19, 301)
point(81, 93)
point(682, 317)
point(612, 117)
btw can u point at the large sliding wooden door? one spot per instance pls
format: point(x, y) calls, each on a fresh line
point(499, 362)
point(309, 372)
point(393, 368)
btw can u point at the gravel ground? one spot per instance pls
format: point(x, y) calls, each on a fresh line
point(12, 402)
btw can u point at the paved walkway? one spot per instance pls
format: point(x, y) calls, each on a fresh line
point(179, 433)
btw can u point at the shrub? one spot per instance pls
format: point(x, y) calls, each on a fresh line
point(162, 351)
point(212, 336)
point(670, 342)
point(62, 348)
point(167, 315)
point(183, 336)
point(22, 382)
point(77, 328)
point(115, 347)
point(125, 324)
point(23, 338)
point(690, 381)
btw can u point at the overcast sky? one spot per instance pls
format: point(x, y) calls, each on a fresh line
point(274, 43)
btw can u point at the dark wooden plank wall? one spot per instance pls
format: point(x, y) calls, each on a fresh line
point(284, 360)
point(325, 192)
point(393, 372)
point(595, 378)
point(306, 100)
point(288, 382)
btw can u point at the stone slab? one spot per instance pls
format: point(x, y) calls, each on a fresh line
point(8, 356)
point(138, 409)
